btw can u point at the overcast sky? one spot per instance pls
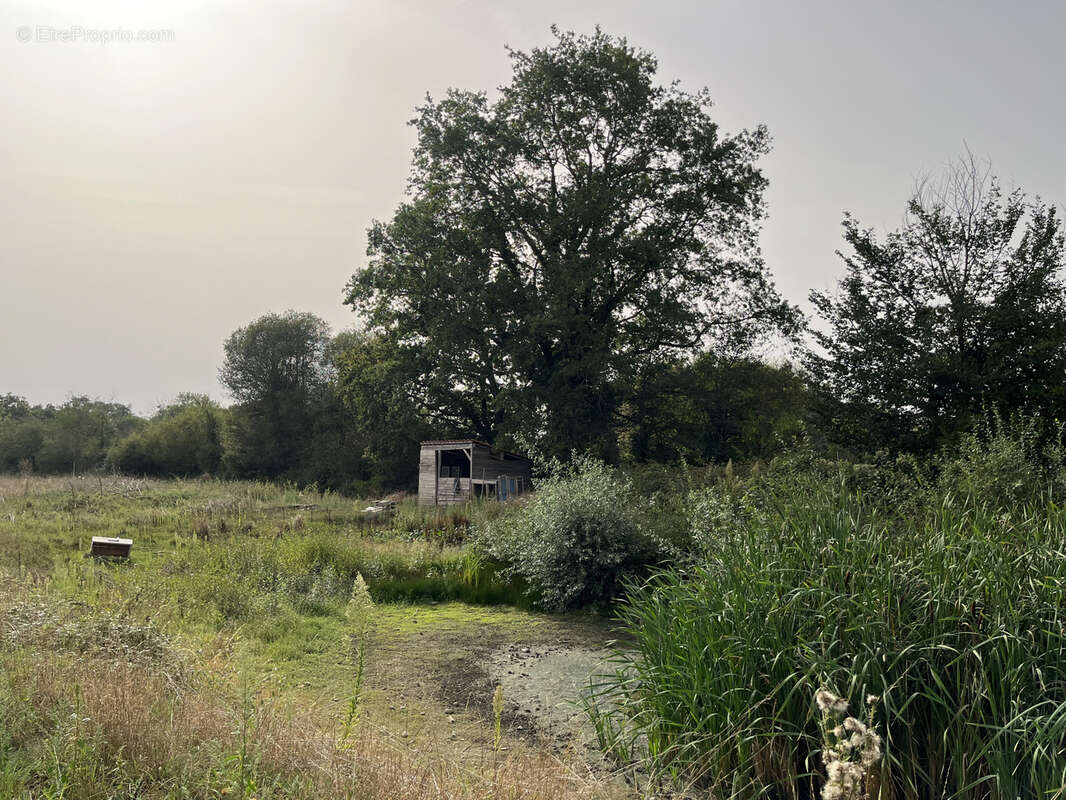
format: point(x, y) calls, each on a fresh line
point(156, 196)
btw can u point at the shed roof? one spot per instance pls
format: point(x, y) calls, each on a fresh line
point(456, 441)
point(474, 441)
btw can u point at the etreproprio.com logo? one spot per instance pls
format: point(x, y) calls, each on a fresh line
point(77, 33)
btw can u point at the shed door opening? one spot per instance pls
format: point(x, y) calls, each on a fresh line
point(454, 464)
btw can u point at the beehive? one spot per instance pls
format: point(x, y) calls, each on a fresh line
point(110, 547)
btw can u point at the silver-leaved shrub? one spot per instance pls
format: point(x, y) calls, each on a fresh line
point(575, 539)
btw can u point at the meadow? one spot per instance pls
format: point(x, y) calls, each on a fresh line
point(268, 642)
point(230, 658)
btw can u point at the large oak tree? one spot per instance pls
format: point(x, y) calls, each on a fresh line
point(561, 238)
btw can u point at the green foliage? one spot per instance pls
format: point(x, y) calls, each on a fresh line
point(336, 456)
point(561, 238)
point(276, 369)
point(276, 354)
point(21, 440)
point(715, 409)
point(953, 615)
point(961, 310)
point(184, 438)
point(13, 407)
point(73, 437)
point(1004, 463)
point(375, 382)
point(576, 538)
point(290, 422)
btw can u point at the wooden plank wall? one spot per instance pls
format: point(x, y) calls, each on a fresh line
point(488, 468)
point(434, 490)
point(427, 476)
point(446, 491)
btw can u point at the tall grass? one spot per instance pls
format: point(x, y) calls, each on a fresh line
point(955, 618)
point(235, 546)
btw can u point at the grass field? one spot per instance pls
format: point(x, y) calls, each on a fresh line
point(230, 658)
point(265, 642)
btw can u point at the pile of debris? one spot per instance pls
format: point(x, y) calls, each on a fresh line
point(380, 506)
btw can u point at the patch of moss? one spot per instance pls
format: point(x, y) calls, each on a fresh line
point(402, 619)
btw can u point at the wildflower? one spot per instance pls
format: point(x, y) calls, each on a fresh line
point(851, 748)
point(845, 781)
point(852, 725)
point(870, 749)
point(360, 601)
point(830, 703)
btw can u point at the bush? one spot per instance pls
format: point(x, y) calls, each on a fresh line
point(181, 439)
point(1004, 463)
point(575, 540)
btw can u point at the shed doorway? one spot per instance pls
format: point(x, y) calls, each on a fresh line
point(454, 464)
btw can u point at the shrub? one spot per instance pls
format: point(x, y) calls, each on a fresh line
point(181, 439)
point(574, 540)
point(1004, 462)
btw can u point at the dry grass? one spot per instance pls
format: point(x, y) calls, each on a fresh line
point(26, 485)
point(116, 723)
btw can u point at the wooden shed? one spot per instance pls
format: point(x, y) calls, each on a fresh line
point(458, 470)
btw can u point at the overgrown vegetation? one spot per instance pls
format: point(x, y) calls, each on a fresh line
point(197, 669)
point(942, 597)
point(935, 587)
point(576, 269)
point(575, 539)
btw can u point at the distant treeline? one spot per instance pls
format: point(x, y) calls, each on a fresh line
point(576, 268)
point(296, 426)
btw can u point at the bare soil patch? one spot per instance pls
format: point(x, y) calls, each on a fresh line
point(452, 657)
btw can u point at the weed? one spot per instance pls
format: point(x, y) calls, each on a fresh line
point(359, 610)
point(497, 717)
point(851, 749)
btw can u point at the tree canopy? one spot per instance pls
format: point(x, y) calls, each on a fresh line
point(562, 238)
point(960, 311)
point(276, 369)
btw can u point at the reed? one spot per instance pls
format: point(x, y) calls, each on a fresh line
point(953, 617)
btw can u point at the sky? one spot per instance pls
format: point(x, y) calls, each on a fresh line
point(157, 195)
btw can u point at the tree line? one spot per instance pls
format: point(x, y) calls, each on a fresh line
point(575, 268)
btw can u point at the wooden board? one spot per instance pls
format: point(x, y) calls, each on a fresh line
point(110, 547)
point(427, 480)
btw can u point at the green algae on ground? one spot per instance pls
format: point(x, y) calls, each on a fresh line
point(404, 619)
